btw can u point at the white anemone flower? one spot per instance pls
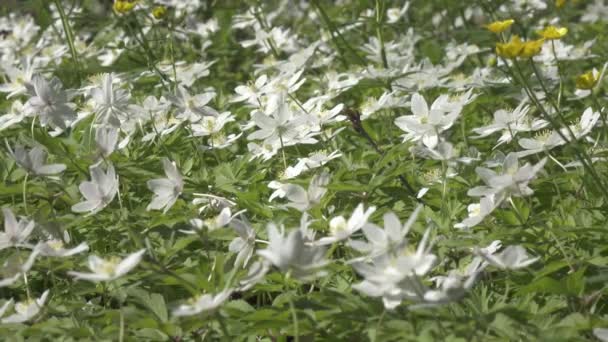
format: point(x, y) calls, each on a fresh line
point(15, 232)
point(34, 161)
point(15, 116)
point(512, 257)
point(342, 229)
point(298, 197)
point(166, 190)
point(106, 139)
point(109, 269)
point(14, 268)
point(56, 248)
point(26, 310)
point(50, 102)
point(291, 253)
point(206, 303)
point(98, 192)
point(427, 123)
point(244, 244)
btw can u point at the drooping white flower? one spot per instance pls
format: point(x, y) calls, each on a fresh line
point(98, 192)
point(106, 139)
point(56, 248)
point(15, 232)
point(34, 161)
point(26, 310)
point(244, 244)
point(512, 257)
point(14, 268)
point(290, 253)
point(166, 190)
point(341, 229)
point(109, 269)
point(206, 303)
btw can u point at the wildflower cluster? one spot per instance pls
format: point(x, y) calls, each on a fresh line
point(187, 170)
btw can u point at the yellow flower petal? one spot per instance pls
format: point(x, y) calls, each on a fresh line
point(552, 32)
point(500, 26)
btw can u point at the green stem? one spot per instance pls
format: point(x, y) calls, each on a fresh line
point(68, 34)
point(294, 315)
point(25, 192)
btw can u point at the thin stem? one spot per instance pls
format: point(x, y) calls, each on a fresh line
point(68, 34)
point(25, 192)
point(296, 325)
point(121, 333)
point(283, 151)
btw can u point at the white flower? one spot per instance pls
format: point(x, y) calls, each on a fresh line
point(299, 198)
point(393, 14)
point(542, 142)
point(166, 190)
point(111, 103)
point(386, 100)
point(478, 212)
point(449, 288)
point(512, 257)
point(211, 124)
point(109, 269)
point(14, 268)
point(426, 123)
point(396, 277)
point(513, 181)
point(15, 232)
point(341, 229)
point(601, 333)
point(244, 244)
point(50, 102)
point(16, 115)
point(252, 92)
point(191, 108)
point(106, 139)
point(510, 123)
point(17, 78)
point(98, 192)
point(203, 303)
point(257, 272)
point(26, 310)
point(391, 239)
point(292, 254)
point(34, 161)
point(55, 248)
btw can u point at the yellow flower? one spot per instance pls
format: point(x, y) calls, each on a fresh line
point(124, 6)
point(512, 49)
point(560, 3)
point(552, 32)
point(159, 12)
point(587, 80)
point(500, 26)
point(532, 48)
